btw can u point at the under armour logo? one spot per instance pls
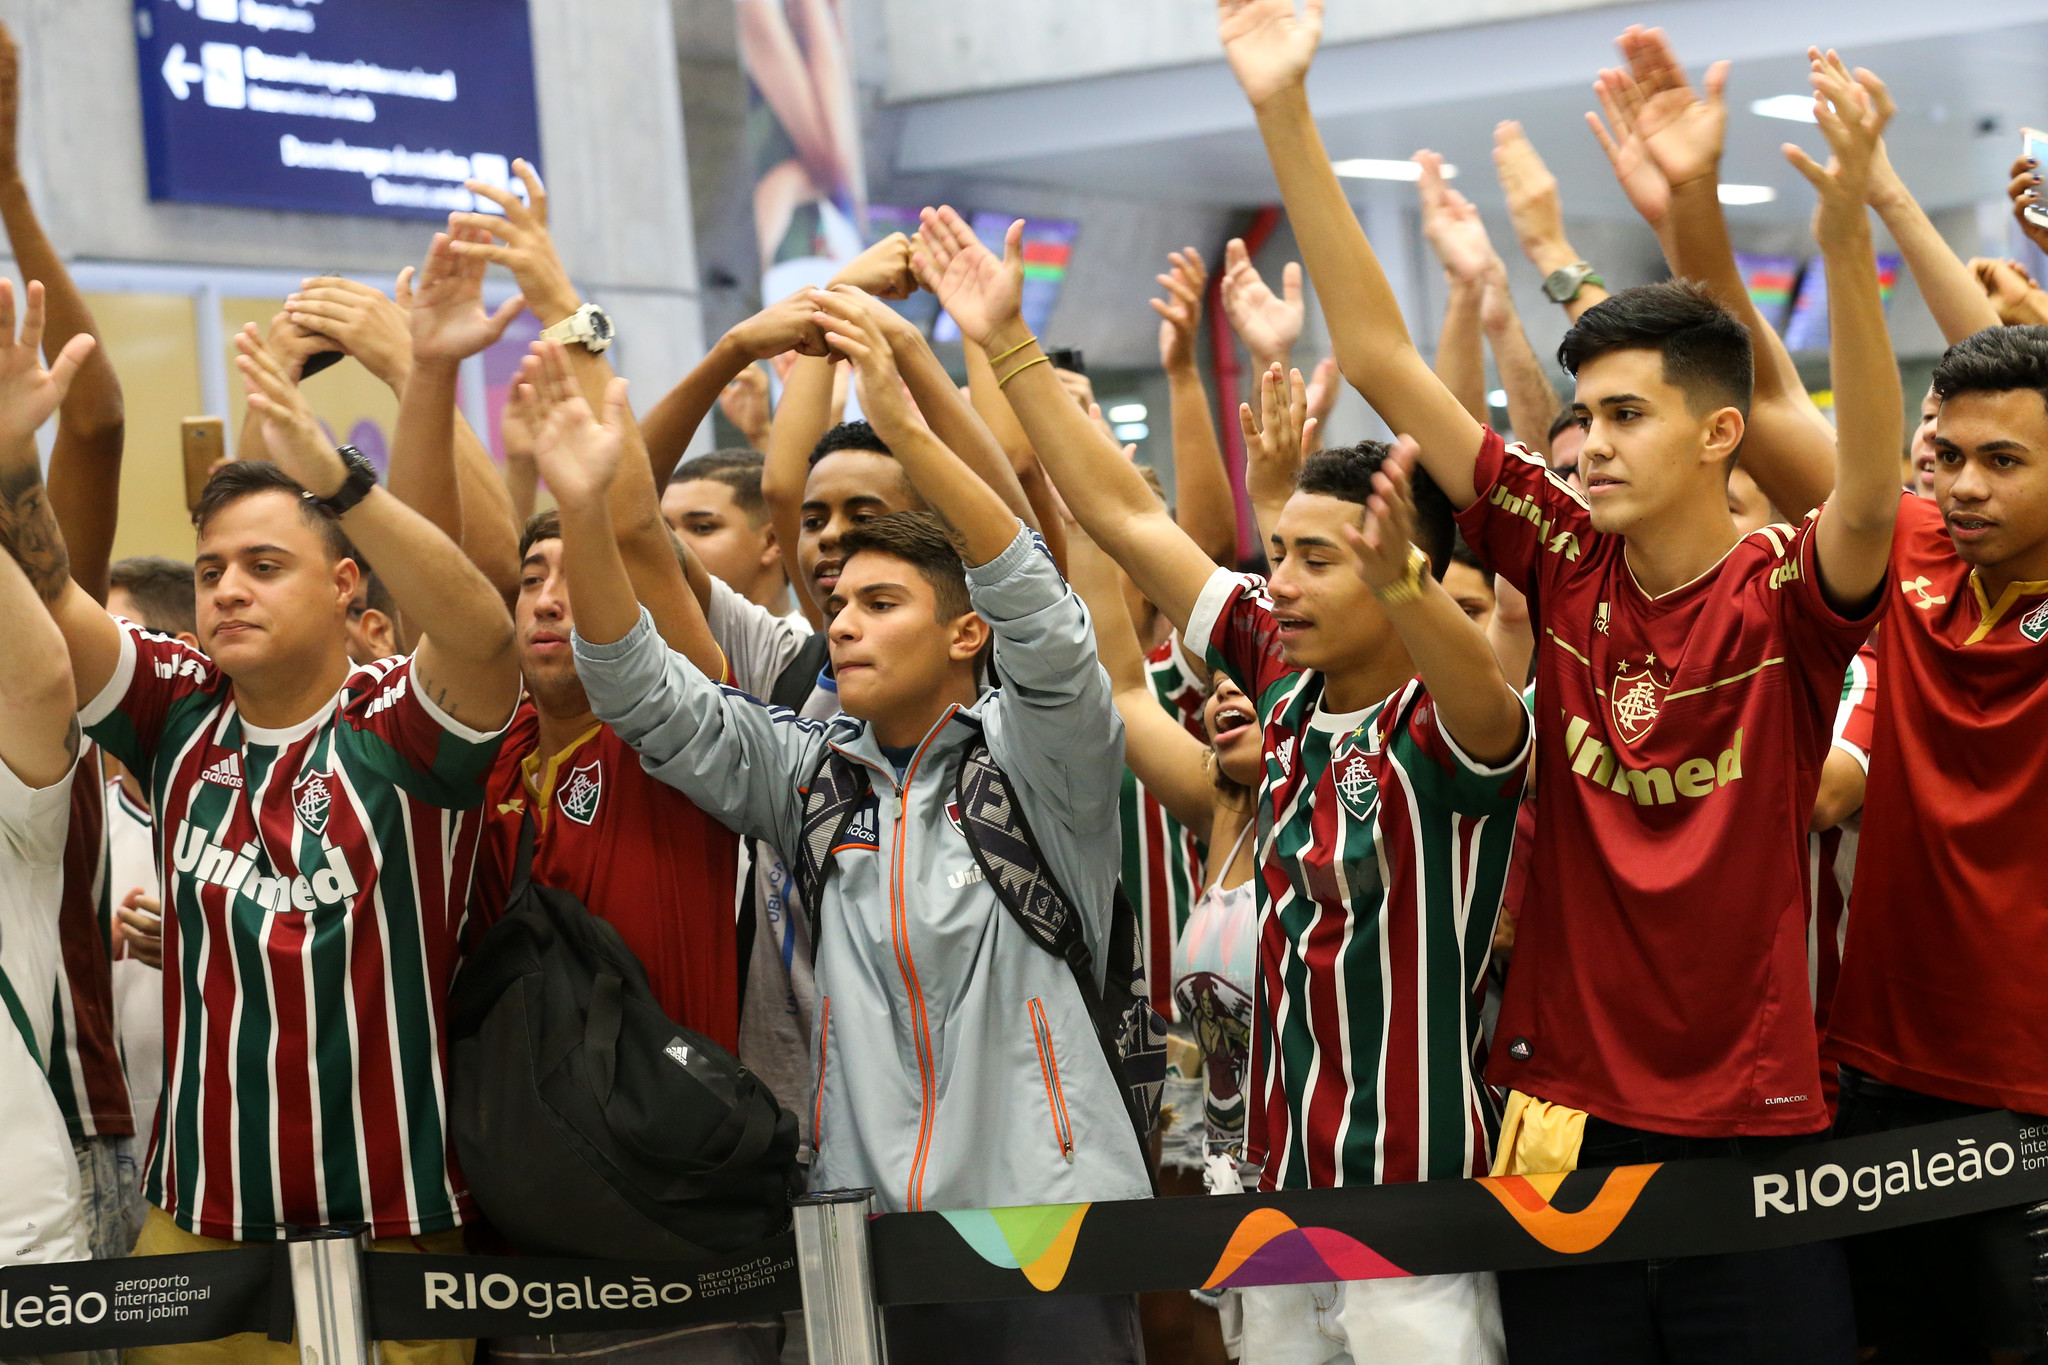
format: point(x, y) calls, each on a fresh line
point(1928, 601)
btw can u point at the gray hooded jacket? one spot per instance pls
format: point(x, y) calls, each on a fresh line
point(957, 1067)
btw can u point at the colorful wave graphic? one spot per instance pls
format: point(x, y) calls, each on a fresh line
point(1527, 1198)
point(1037, 1239)
point(1269, 1248)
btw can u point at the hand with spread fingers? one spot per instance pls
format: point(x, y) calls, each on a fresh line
point(444, 302)
point(1276, 440)
point(1180, 312)
point(517, 238)
point(1269, 324)
point(577, 452)
point(1386, 533)
point(362, 321)
point(1851, 109)
point(292, 435)
point(982, 291)
point(1268, 46)
point(29, 393)
point(1681, 132)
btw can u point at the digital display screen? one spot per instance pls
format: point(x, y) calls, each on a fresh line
point(1808, 328)
point(380, 108)
point(1769, 280)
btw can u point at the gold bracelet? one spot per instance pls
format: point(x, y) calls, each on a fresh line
point(996, 360)
point(1409, 586)
point(1004, 382)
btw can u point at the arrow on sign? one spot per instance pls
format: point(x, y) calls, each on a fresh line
point(179, 73)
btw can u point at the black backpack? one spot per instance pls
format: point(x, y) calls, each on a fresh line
point(1132, 1035)
point(587, 1122)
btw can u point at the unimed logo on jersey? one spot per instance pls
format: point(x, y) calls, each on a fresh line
point(1601, 765)
point(245, 870)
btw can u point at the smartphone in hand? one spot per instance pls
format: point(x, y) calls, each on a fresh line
point(2034, 143)
point(205, 440)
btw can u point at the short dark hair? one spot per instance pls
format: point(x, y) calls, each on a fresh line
point(1463, 553)
point(1995, 360)
point(1706, 349)
point(738, 469)
point(921, 540)
point(854, 435)
point(1346, 472)
point(241, 479)
point(376, 595)
point(163, 592)
point(543, 525)
point(1563, 422)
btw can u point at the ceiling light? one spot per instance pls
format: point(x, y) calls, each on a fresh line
point(1797, 108)
point(1497, 398)
point(1127, 412)
point(1747, 194)
point(1132, 431)
point(1372, 168)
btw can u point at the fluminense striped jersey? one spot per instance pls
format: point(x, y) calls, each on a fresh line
point(314, 881)
point(1162, 861)
point(85, 1053)
point(1383, 852)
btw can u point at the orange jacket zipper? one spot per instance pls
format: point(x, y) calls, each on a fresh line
point(1049, 1067)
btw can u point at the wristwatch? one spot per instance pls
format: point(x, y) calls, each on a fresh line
point(589, 327)
point(1563, 284)
point(1408, 587)
point(362, 477)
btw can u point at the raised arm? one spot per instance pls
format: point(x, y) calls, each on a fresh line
point(782, 326)
point(38, 707)
point(1788, 447)
point(1267, 323)
point(1276, 442)
point(985, 522)
point(1269, 51)
point(1167, 760)
point(1477, 705)
point(1105, 491)
point(1452, 228)
point(1538, 218)
point(448, 324)
point(465, 660)
point(986, 396)
point(1952, 294)
point(1202, 500)
point(1532, 402)
point(28, 523)
point(804, 415)
point(1852, 543)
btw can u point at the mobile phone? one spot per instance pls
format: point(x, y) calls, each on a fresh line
point(2034, 143)
point(1067, 358)
point(205, 440)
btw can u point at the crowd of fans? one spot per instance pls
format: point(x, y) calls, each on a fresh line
point(1504, 823)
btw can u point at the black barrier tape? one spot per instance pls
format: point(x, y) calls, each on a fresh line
point(1808, 1194)
point(423, 1298)
point(140, 1301)
point(1686, 1208)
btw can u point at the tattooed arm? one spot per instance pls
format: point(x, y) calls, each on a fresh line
point(28, 523)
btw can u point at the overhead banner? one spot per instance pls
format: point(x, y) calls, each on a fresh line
point(803, 132)
point(1688, 1208)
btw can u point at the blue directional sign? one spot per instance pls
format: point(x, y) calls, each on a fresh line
point(373, 107)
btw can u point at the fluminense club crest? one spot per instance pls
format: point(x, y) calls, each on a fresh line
point(1635, 699)
point(312, 799)
point(2034, 624)
point(579, 793)
point(1357, 784)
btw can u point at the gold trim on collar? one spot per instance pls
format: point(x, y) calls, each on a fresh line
point(1991, 614)
point(542, 788)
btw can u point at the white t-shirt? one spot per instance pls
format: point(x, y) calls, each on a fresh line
point(138, 987)
point(40, 1216)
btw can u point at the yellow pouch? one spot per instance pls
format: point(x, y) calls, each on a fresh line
point(1538, 1137)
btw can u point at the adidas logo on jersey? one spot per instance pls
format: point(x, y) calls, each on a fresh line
point(1599, 764)
point(1284, 751)
point(227, 772)
point(241, 870)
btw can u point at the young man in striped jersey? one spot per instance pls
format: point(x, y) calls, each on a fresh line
point(315, 832)
point(1386, 815)
point(1686, 682)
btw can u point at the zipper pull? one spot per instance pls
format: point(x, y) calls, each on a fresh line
point(899, 802)
point(1067, 1149)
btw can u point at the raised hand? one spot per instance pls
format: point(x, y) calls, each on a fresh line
point(2025, 193)
point(528, 251)
point(1531, 192)
point(744, 402)
point(883, 270)
point(28, 392)
point(1180, 312)
point(1641, 178)
point(851, 330)
point(291, 433)
point(1382, 540)
point(1852, 111)
point(2012, 291)
point(1269, 324)
point(1278, 439)
point(1323, 388)
point(575, 452)
point(1452, 225)
point(445, 302)
point(981, 291)
point(782, 327)
point(1681, 132)
point(1268, 47)
point(360, 320)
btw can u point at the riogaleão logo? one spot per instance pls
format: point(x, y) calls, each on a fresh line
point(1269, 1248)
point(1527, 1198)
point(1038, 1239)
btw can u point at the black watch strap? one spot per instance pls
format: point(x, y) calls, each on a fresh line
point(362, 477)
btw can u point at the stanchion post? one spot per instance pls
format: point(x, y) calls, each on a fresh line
point(327, 1296)
point(840, 1318)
